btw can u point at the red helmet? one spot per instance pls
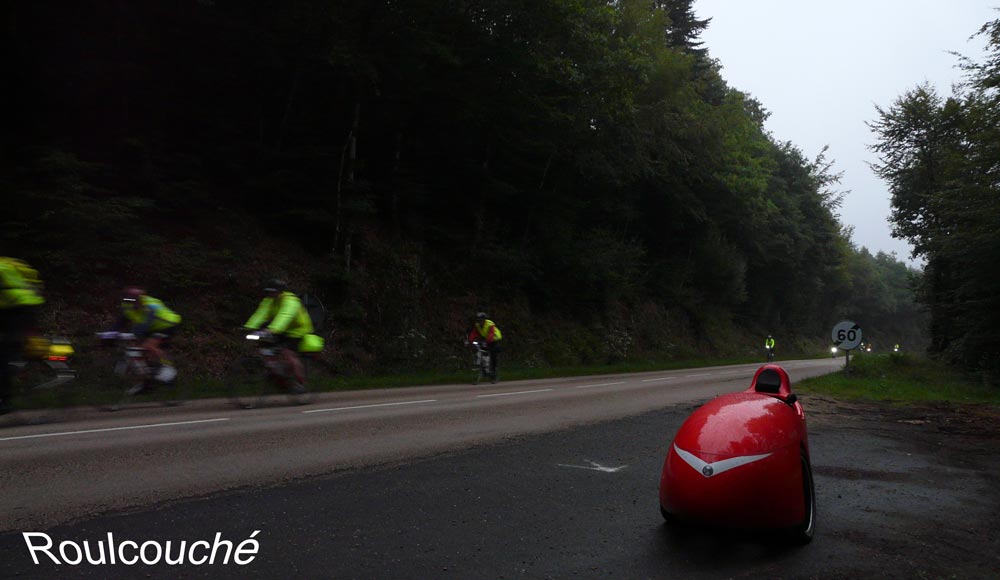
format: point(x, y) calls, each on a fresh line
point(132, 293)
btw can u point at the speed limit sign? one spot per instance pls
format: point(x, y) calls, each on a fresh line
point(846, 335)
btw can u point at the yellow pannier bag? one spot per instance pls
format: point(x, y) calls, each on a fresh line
point(40, 347)
point(36, 347)
point(311, 343)
point(60, 350)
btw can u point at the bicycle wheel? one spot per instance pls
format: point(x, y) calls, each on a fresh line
point(478, 370)
point(132, 382)
point(485, 370)
point(157, 385)
point(41, 390)
point(246, 381)
point(299, 393)
point(175, 392)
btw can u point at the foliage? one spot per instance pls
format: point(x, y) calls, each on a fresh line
point(578, 168)
point(940, 158)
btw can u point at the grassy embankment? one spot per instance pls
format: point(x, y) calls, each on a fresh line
point(517, 373)
point(108, 390)
point(325, 379)
point(900, 378)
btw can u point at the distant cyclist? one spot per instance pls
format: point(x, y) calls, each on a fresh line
point(486, 331)
point(153, 324)
point(282, 314)
point(20, 299)
point(769, 345)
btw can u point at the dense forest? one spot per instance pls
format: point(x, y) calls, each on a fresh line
point(577, 168)
point(941, 159)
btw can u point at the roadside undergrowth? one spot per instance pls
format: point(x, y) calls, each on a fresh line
point(902, 378)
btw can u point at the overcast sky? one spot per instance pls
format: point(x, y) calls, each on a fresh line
point(821, 67)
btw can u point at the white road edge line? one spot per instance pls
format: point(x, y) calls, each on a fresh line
point(370, 406)
point(61, 433)
point(599, 385)
point(698, 375)
point(508, 394)
point(659, 379)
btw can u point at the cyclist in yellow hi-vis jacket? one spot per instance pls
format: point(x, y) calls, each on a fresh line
point(153, 324)
point(20, 297)
point(287, 320)
point(484, 329)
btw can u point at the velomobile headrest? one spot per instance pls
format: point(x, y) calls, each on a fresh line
point(768, 381)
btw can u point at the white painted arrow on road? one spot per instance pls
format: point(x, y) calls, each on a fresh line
point(594, 467)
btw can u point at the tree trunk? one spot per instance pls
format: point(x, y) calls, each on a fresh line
point(352, 156)
point(531, 208)
point(394, 185)
point(289, 103)
point(480, 215)
point(348, 156)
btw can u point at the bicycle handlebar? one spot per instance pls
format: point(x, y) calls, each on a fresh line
point(115, 335)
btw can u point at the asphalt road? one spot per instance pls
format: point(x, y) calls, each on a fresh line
point(95, 462)
point(897, 498)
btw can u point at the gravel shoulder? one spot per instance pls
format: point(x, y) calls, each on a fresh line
point(908, 491)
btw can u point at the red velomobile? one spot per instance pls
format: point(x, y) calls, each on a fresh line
point(742, 461)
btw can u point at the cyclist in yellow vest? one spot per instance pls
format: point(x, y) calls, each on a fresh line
point(287, 320)
point(20, 298)
point(154, 325)
point(485, 330)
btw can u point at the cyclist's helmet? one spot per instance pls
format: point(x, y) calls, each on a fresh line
point(481, 316)
point(275, 285)
point(132, 294)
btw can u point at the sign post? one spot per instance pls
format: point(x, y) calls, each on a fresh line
point(847, 336)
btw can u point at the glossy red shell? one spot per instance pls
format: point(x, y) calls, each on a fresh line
point(762, 436)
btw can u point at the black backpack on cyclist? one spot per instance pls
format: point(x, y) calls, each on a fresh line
point(316, 310)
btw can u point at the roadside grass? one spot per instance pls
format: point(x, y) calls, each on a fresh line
point(327, 381)
point(900, 378)
point(101, 389)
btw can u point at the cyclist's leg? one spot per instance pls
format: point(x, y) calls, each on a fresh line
point(157, 347)
point(288, 346)
point(151, 349)
point(14, 326)
point(494, 355)
point(6, 374)
point(7, 355)
point(155, 343)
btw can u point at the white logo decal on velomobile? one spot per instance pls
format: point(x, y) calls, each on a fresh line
point(710, 469)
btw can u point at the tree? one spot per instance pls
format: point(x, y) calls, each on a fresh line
point(941, 160)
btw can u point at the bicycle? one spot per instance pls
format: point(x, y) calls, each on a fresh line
point(481, 368)
point(770, 353)
point(41, 373)
point(251, 375)
point(139, 376)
